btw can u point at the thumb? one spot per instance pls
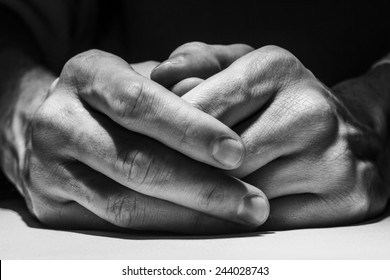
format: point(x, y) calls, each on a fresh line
point(198, 60)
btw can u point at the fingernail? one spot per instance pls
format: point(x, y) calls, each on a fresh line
point(253, 210)
point(167, 63)
point(158, 66)
point(228, 151)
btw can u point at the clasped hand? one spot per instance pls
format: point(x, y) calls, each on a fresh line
point(199, 147)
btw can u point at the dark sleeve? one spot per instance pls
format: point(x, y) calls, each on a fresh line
point(58, 27)
point(6, 188)
point(50, 31)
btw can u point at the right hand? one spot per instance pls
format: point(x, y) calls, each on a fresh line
point(111, 147)
point(315, 160)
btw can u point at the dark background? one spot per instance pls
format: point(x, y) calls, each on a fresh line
point(336, 40)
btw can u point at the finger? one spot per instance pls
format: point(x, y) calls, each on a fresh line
point(139, 217)
point(110, 86)
point(312, 210)
point(303, 194)
point(128, 209)
point(73, 216)
point(246, 86)
point(302, 211)
point(144, 68)
point(298, 174)
point(89, 200)
point(146, 166)
point(293, 124)
point(197, 60)
point(185, 86)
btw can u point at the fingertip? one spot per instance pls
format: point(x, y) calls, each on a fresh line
point(186, 85)
point(254, 209)
point(228, 151)
point(157, 72)
point(166, 72)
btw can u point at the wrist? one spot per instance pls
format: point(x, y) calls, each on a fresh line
point(23, 90)
point(378, 79)
point(367, 98)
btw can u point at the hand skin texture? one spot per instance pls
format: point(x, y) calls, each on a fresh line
point(317, 154)
point(103, 147)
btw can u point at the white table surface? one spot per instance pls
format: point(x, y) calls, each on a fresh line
point(22, 237)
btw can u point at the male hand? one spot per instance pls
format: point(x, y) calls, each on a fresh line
point(111, 147)
point(306, 151)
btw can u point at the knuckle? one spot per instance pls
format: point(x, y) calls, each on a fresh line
point(276, 54)
point(139, 166)
point(82, 60)
point(49, 128)
point(124, 210)
point(314, 109)
point(129, 103)
point(312, 114)
point(277, 64)
point(322, 118)
point(75, 69)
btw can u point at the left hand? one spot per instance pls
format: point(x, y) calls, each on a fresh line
point(306, 151)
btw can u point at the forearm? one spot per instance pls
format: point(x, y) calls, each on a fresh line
point(23, 85)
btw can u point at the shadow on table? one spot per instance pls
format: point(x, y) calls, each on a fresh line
point(19, 206)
